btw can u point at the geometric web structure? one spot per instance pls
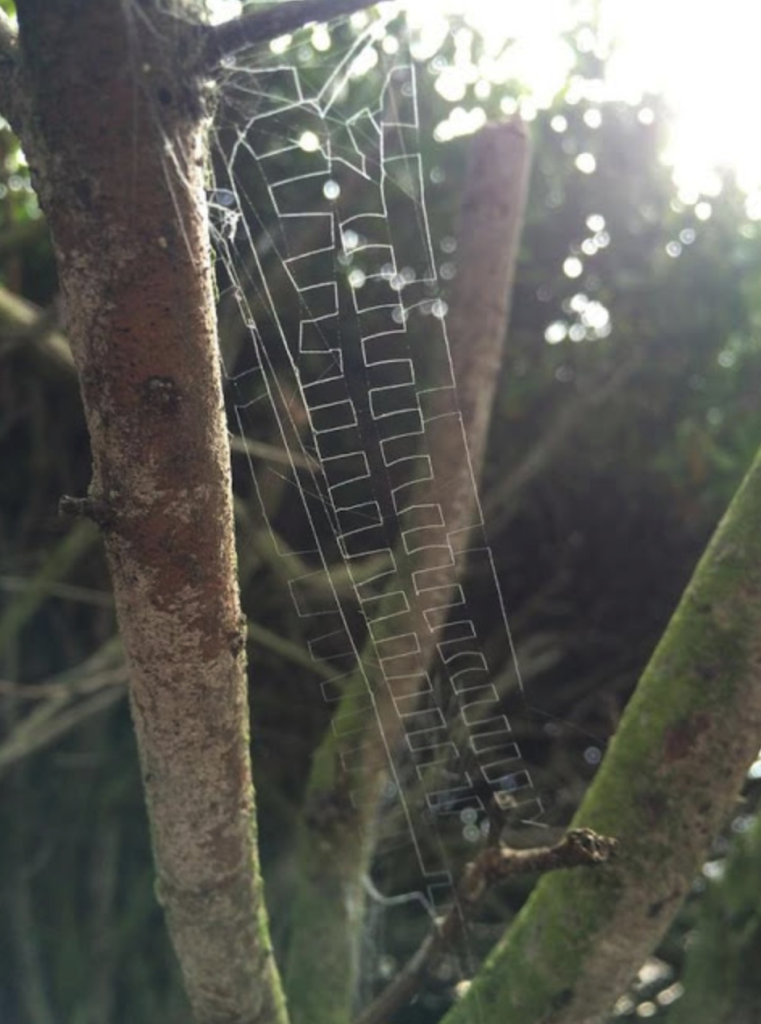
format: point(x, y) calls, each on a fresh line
point(352, 357)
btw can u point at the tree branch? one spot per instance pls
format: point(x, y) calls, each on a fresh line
point(665, 788)
point(261, 26)
point(130, 233)
point(56, 717)
point(335, 858)
point(34, 324)
point(578, 848)
point(500, 503)
point(67, 553)
point(68, 690)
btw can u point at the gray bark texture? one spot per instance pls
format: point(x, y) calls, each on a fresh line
point(115, 131)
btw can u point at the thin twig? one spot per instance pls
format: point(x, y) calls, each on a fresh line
point(500, 504)
point(270, 453)
point(260, 27)
point(22, 925)
point(28, 738)
point(34, 325)
point(104, 891)
point(101, 512)
point(578, 848)
point(287, 649)
point(56, 565)
point(340, 580)
point(59, 690)
point(64, 591)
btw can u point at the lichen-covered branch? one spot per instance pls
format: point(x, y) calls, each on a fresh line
point(664, 790)
point(337, 846)
point(114, 129)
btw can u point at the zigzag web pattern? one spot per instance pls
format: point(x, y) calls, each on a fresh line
point(352, 359)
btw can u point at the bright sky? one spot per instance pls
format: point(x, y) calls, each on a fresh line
point(705, 60)
point(702, 58)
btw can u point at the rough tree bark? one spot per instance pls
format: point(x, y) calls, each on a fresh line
point(114, 129)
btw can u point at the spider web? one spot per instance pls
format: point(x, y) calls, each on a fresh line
point(321, 190)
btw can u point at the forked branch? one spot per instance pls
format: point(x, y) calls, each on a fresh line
point(580, 847)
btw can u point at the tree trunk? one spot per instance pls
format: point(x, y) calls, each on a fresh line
point(114, 128)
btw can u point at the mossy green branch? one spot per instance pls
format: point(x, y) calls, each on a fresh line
point(664, 790)
point(336, 850)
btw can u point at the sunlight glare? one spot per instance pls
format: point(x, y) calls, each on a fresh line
point(702, 60)
point(705, 63)
point(223, 10)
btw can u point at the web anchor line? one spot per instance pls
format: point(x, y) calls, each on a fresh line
point(344, 337)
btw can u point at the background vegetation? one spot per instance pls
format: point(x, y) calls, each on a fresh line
point(627, 414)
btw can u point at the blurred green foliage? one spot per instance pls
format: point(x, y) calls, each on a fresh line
point(612, 457)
